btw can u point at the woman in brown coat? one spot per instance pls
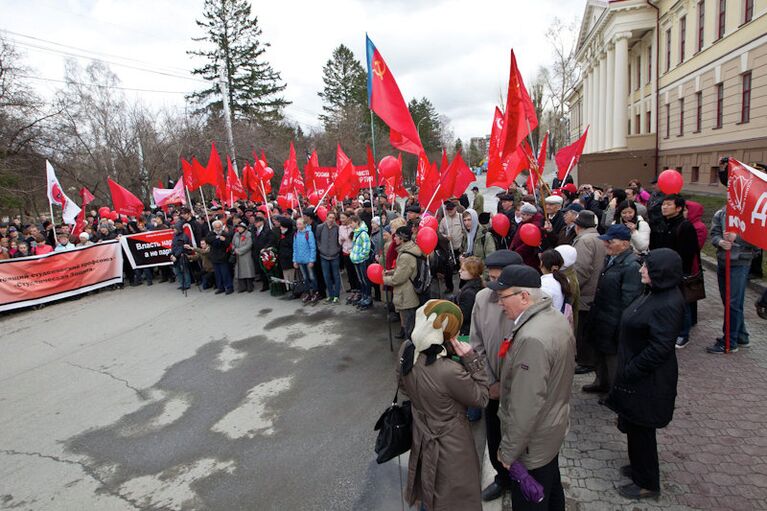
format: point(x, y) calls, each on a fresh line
point(443, 471)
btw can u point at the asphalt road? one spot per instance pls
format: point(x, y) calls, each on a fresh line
point(145, 399)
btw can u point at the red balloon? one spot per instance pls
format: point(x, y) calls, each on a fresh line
point(267, 174)
point(104, 212)
point(263, 209)
point(501, 224)
point(670, 181)
point(530, 235)
point(321, 212)
point(429, 221)
point(389, 166)
point(426, 239)
point(375, 273)
point(314, 198)
point(113, 215)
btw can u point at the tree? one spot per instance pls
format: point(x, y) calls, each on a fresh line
point(537, 96)
point(561, 78)
point(233, 40)
point(458, 145)
point(345, 91)
point(427, 122)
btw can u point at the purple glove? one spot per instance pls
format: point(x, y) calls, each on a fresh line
point(531, 489)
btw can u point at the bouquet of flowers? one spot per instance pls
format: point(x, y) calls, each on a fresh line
point(268, 258)
point(268, 261)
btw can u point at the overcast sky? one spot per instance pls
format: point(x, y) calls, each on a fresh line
point(456, 53)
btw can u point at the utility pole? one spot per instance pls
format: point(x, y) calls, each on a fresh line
point(224, 84)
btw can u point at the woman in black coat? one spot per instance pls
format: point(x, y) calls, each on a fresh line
point(645, 385)
point(284, 245)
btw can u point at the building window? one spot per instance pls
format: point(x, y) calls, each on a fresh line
point(745, 104)
point(648, 122)
point(719, 105)
point(681, 117)
point(668, 121)
point(748, 11)
point(701, 23)
point(682, 37)
point(668, 50)
point(637, 125)
point(695, 175)
point(713, 176)
point(698, 112)
point(649, 64)
point(722, 12)
point(679, 169)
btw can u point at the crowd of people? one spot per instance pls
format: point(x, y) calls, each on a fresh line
point(610, 289)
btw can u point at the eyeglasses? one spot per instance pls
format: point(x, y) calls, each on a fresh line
point(503, 297)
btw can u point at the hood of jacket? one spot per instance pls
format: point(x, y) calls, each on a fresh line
point(694, 211)
point(664, 266)
point(473, 231)
point(362, 227)
point(410, 246)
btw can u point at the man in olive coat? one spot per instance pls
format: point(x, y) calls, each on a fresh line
point(537, 364)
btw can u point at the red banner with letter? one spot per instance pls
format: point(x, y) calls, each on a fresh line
point(28, 281)
point(747, 203)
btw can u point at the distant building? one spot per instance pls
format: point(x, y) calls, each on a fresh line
point(670, 84)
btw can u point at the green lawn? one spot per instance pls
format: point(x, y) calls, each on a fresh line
point(711, 204)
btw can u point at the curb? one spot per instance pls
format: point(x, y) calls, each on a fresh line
point(758, 285)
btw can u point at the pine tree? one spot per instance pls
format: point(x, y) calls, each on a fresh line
point(233, 40)
point(428, 124)
point(345, 91)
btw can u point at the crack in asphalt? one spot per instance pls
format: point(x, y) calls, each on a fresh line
point(85, 468)
point(138, 392)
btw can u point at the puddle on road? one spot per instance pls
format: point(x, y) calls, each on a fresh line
point(238, 415)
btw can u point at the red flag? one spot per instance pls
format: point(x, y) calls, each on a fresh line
point(234, 187)
point(366, 173)
point(291, 183)
point(568, 157)
point(385, 99)
point(198, 173)
point(56, 195)
point(532, 178)
point(519, 117)
point(213, 173)
point(123, 201)
point(86, 198)
point(427, 192)
point(263, 158)
point(747, 203)
point(346, 182)
point(463, 176)
point(190, 178)
point(423, 165)
point(496, 175)
point(444, 164)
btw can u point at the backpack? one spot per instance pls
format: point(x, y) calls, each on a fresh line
point(422, 280)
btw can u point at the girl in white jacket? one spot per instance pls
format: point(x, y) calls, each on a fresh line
point(626, 213)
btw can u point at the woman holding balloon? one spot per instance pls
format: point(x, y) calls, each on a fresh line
point(527, 239)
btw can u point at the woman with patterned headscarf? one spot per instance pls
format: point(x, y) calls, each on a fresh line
point(442, 377)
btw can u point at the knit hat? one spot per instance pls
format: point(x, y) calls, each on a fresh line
point(569, 255)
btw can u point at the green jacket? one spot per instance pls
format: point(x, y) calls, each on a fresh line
point(479, 203)
point(404, 295)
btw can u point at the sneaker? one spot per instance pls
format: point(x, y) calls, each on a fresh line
point(681, 342)
point(329, 299)
point(335, 299)
point(718, 349)
point(746, 344)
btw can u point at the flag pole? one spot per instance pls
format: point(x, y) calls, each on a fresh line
point(189, 198)
point(298, 201)
point(439, 185)
point(383, 252)
point(569, 168)
point(205, 207)
point(727, 300)
point(268, 213)
point(326, 193)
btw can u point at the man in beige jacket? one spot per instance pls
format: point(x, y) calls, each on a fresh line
point(537, 365)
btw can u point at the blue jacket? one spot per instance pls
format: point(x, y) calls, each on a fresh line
point(304, 247)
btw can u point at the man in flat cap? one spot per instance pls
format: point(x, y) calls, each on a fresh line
point(537, 364)
point(489, 325)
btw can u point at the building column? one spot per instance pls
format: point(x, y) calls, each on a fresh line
point(586, 104)
point(602, 119)
point(592, 110)
point(610, 120)
point(620, 113)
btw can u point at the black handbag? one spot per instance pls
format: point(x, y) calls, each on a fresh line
point(693, 287)
point(394, 430)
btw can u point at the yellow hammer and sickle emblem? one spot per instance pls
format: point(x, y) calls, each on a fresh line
point(379, 68)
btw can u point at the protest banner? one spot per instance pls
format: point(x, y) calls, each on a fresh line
point(151, 248)
point(33, 280)
point(747, 203)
